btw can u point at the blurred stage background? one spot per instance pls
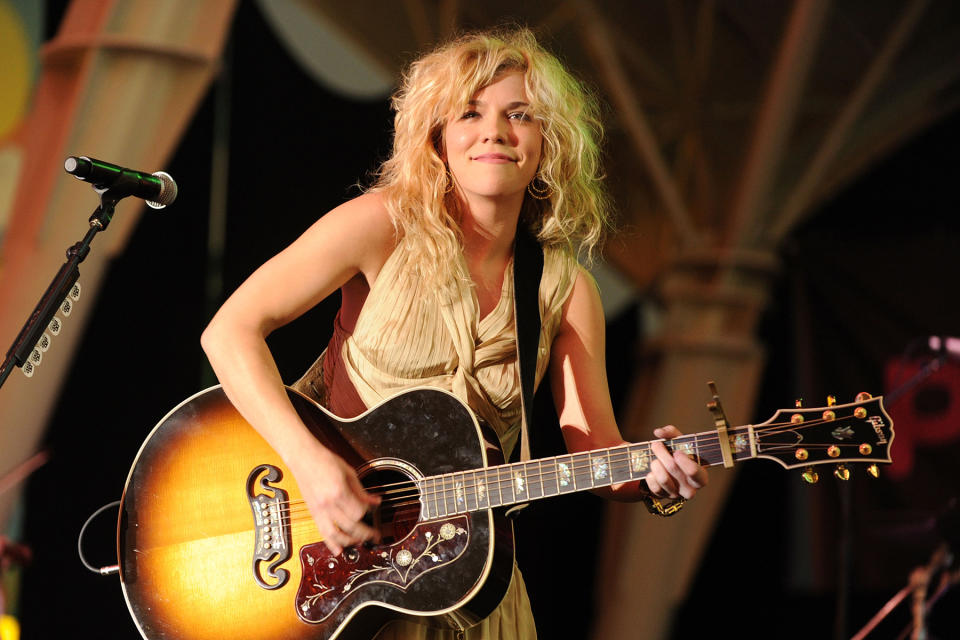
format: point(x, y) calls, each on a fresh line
point(787, 181)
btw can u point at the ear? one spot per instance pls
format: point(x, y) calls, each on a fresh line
point(438, 145)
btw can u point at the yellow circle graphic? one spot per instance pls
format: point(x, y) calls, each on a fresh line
point(15, 71)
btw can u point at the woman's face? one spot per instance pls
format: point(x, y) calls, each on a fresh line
point(493, 147)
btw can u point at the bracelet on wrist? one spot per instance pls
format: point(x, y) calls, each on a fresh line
point(664, 507)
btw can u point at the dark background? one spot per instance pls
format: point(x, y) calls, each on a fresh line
point(861, 283)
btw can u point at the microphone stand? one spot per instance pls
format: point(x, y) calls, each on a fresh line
point(26, 342)
point(937, 560)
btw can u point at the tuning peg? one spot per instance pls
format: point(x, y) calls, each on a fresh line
point(842, 473)
point(863, 396)
point(28, 369)
point(66, 307)
point(874, 471)
point(831, 400)
point(798, 403)
point(811, 476)
point(55, 325)
point(75, 292)
point(44, 342)
point(35, 357)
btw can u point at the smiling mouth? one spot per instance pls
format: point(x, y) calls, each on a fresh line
point(493, 157)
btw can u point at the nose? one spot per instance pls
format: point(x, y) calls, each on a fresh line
point(496, 131)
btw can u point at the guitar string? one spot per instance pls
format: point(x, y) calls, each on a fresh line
point(618, 456)
point(700, 443)
point(410, 492)
point(495, 489)
point(444, 498)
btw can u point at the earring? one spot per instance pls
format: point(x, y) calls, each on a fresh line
point(539, 192)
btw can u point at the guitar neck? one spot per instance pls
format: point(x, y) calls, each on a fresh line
point(507, 484)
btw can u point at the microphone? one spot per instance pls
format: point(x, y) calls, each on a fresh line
point(158, 189)
point(944, 344)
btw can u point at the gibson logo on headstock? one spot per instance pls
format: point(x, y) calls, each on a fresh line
point(878, 426)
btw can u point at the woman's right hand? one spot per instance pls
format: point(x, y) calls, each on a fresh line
point(354, 240)
point(335, 497)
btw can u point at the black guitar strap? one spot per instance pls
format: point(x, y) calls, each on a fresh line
point(527, 272)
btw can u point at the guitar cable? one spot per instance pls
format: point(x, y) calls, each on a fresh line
point(103, 571)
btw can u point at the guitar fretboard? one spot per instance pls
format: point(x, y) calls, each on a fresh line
point(467, 491)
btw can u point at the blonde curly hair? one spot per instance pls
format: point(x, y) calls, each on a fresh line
point(415, 181)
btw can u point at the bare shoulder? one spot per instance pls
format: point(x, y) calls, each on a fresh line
point(363, 218)
point(583, 308)
point(359, 232)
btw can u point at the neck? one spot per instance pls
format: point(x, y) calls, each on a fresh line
point(488, 229)
point(495, 486)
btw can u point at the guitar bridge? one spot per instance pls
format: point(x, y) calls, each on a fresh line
point(272, 543)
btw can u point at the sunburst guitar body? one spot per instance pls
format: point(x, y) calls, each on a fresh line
point(214, 541)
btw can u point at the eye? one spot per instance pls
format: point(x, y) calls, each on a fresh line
point(470, 114)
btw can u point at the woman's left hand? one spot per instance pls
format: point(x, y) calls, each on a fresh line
point(673, 474)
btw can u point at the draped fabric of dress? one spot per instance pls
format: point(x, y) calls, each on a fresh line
point(412, 333)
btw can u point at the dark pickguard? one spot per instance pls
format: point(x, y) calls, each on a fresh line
point(328, 579)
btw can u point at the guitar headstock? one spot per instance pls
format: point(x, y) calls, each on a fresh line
point(858, 432)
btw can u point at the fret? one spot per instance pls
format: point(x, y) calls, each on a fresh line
point(493, 487)
point(549, 480)
point(534, 473)
point(424, 499)
point(470, 489)
point(582, 471)
point(505, 480)
point(449, 502)
point(436, 494)
point(619, 465)
point(566, 483)
point(459, 497)
point(483, 497)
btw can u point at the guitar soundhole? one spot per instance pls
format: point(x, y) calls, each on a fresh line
point(399, 509)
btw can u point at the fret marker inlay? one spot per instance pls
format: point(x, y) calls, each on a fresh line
point(640, 460)
point(564, 474)
point(518, 481)
point(739, 443)
point(599, 468)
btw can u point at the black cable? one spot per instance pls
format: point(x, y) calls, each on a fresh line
point(101, 570)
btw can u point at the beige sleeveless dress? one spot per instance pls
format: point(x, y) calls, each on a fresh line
point(412, 334)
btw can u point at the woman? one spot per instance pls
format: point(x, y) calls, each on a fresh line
point(490, 132)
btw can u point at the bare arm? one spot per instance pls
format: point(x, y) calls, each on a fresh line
point(345, 248)
point(578, 380)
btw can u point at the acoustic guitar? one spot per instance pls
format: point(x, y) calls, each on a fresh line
point(214, 540)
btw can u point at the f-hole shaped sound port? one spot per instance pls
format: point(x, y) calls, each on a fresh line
point(269, 503)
